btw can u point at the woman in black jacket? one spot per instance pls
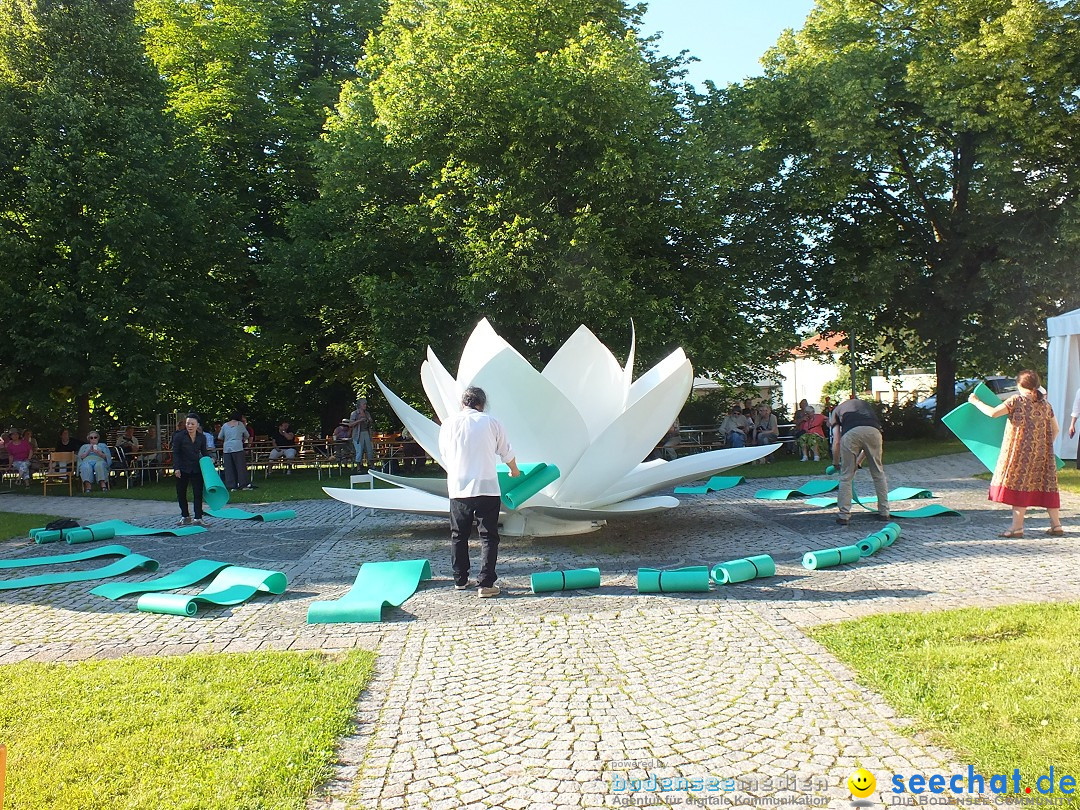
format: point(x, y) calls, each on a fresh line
point(188, 446)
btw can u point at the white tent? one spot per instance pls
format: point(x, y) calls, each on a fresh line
point(1063, 374)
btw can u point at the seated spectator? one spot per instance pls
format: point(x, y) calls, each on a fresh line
point(812, 440)
point(94, 461)
point(151, 448)
point(412, 454)
point(343, 447)
point(735, 428)
point(284, 443)
point(766, 430)
point(671, 441)
point(128, 446)
point(799, 418)
point(19, 452)
point(65, 444)
point(35, 450)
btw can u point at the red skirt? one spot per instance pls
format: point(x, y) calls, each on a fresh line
point(1021, 497)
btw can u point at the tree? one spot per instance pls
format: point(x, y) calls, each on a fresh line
point(104, 269)
point(534, 163)
point(927, 150)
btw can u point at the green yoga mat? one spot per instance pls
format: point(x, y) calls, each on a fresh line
point(830, 470)
point(231, 586)
point(181, 578)
point(714, 484)
point(215, 493)
point(898, 494)
point(549, 581)
point(928, 511)
point(743, 570)
point(42, 535)
point(122, 529)
point(89, 534)
point(377, 584)
point(90, 554)
point(815, 487)
point(694, 579)
point(871, 545)
point(981, 434)
point(232, 513)
point(533, 478)
point(124, 565)
point(827, 558)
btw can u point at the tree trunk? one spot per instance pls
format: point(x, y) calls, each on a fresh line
point(82, 408)
point(946, 378)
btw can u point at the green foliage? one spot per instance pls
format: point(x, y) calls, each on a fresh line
point(904, 421)
point(921, 148)
point(839, 388)
point(998, 685)
point(243, 732)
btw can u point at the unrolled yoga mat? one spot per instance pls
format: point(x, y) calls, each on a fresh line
point(533, 478)
point(215, 493)
point(928, 511)
point(377, 584)
point(693, 579)
point(815, 487)
point(898, 494)
point(981, 434)
point(90, 554)
point(181, 578)
point(714, 484)
point(549, 581)
point(124, 565)
point(827, 558)
point(743, 570)
point(232, 513)
point(231, 586)
point(122, 529)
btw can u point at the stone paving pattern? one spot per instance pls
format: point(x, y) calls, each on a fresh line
point(549, 701)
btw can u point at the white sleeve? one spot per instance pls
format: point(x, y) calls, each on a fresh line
point(1076, 405)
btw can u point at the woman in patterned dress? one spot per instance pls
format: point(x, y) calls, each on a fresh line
point(1026, 473)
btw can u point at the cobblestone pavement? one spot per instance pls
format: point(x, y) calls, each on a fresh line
point(574, 700)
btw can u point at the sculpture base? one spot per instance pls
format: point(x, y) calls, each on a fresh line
point(518, 524)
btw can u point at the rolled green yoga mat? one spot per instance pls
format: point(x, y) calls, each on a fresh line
point(743, 570)
point(122, 529)
point(714, 484)
point(891, 531)
point(88, 534)
point(549, 581)
point(830, 470)
point(232, 586)
point(694, 579)
point(79, 556)
point(124, 565)
point(232, 513)
point(181, 578)
point(42, 536)
point(981, 434)
point(215, 493)
point(815, 487)
point(533, 478)
point(872, 544)
point(377, 584)
point(827, 558)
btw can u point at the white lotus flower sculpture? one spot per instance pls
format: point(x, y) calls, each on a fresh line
point(583, 413)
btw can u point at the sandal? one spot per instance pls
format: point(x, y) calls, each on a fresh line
point(1012, 533)
point(1057, 531)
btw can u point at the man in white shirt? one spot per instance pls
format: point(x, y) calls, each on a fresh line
point(469, 442)
point(1072, 424)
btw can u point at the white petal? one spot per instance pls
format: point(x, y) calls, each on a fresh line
point(631, 437)
point(641, 506)
point(448, 387)
point(482, 345)
point(399, 500)
point(588, 374)
point(653, 377)
point(424, 432)
point(436, 486)
point(439, 389)
point(653, 477)
point(628, 371)
point(541, 423)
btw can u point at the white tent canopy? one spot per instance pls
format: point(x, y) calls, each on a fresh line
point(1063, 374)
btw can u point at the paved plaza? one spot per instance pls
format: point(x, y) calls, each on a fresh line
point(577, 700)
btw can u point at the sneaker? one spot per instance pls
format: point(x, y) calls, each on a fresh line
point(487, 593)
point(251, 486)
point(234, 489)
point(843, 521)
point(201, 522)
point(462, 586)
point(184, 521)
point(804, 458)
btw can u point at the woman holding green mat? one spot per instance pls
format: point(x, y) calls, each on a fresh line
point(188, 446)
point(1026, 473)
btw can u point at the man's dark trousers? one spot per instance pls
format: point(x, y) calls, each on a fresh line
point(483, 510)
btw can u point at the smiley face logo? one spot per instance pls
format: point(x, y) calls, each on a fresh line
point(861, 783)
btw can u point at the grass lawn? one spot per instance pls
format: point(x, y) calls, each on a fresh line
point(16, 524)
point(999, 686)
point(895, 452)
point(216, 732)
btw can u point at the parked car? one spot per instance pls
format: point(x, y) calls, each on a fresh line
point(1002, 386)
